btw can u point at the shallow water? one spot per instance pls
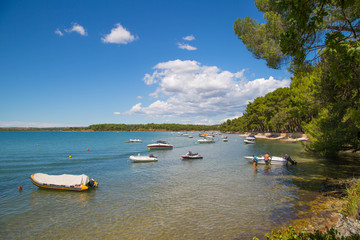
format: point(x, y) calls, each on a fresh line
point(217, 197)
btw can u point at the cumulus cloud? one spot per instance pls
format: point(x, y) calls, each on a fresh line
point(78, 29)
point(58, 32)
point(189, 38)
point(116, 113)
point(189, 89)
point(186, 46)
point(119, 35)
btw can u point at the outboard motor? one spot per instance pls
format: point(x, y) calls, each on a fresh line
point(92, 184)
point(288, 158)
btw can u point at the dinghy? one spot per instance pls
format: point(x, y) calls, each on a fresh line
point(63, 182)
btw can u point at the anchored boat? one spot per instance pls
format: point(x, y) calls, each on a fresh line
point(160, 145)
point(138, 158)
point(63, 182)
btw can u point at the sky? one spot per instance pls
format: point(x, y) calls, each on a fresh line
point(70, 63)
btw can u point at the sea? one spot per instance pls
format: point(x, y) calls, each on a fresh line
point(218, 197)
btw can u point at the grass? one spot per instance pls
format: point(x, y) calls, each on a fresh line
point(350, 209)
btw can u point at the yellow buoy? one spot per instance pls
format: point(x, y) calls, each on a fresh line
point(70, 156)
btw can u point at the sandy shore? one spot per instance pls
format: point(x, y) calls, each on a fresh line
point(289, 137)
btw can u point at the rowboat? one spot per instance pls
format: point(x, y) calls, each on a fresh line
point(138, 158)
point(63, 182)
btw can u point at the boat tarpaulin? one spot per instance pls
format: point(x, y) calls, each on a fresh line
point(64, 179)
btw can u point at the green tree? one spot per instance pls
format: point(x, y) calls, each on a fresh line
point(320, 38)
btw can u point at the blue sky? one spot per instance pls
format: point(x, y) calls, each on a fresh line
point(77, 63)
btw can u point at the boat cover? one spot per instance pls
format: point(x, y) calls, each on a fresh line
point(64, 179)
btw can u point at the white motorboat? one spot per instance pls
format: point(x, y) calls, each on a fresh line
point(134, 141)
point(274, 160)
point(138, 158)
point(250, 139)
point(208, 139)
point(160, 145)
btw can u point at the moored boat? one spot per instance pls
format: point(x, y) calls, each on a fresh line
point(250, 139)
point(133, 141)
point(208, 139)
point(190, 155)
point(138, 158)
point(63, 182)
point(160, 145)
point(274, 160)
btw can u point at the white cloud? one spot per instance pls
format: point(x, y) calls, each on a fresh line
point(119, 35)
point(189, 38)
point(189, 89)
point(58, 32)
point(116, 113)
point(186, 46)
point(78, 29)
point(139, 97)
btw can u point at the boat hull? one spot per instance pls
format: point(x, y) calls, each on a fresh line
point(82, 187)
point(273, 161)
point(186, 157)
point(143, 159)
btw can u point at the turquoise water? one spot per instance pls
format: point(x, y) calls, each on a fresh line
point(217, 197)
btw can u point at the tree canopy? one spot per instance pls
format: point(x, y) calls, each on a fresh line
point(320, 41)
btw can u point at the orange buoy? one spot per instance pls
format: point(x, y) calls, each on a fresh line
point(37, 145)
point(87, 149)
point(20, 188)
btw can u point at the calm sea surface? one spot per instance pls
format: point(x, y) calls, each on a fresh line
point(217, 197)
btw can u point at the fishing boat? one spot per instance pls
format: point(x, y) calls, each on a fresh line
point(190, 155)
point(134, 141)
point(63, 182)
point(160, 145)
point(274, 160)
point(138, 158)
point(207, 139)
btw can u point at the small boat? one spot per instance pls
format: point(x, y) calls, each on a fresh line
point(63, 182)
point(208, 139)
point(250, 139)
point(274, 160)
point(225, 139)
point(133, 140)
point(138, 158)
point(190, 155)
point(160, 145)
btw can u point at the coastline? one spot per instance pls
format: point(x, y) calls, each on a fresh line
point(288, 137)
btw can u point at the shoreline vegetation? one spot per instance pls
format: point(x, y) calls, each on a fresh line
point(110, 127)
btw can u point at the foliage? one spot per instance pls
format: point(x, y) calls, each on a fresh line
point(144, 127)
point(269, 113)
point(350, 209)
point(298, 29)
point(291, 234)
point(321, 38)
